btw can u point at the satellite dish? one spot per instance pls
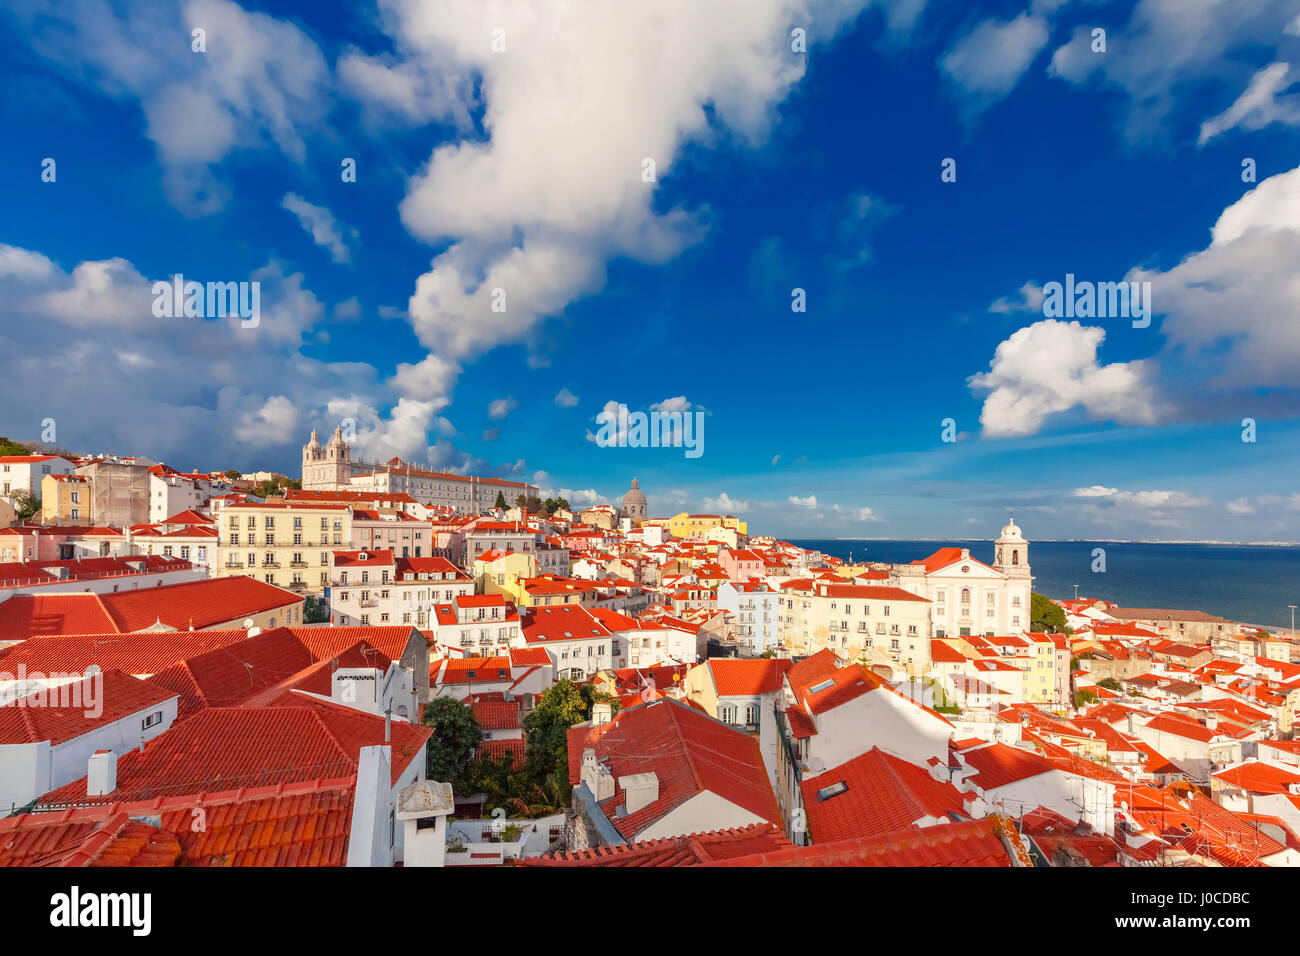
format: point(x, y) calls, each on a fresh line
point(248, 622)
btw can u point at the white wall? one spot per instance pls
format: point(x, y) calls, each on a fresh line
point(703, 812)
point(33, 770)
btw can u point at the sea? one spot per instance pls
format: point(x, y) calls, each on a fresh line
point(1252, 584)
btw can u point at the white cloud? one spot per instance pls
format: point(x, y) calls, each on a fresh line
point(24, 264)
point(775, 459)
point(1259, 105)
point(205, 395)
point(808, 502)
point(261, 81)
point(1095, 491)
point(1171, 52)
point(1029, 298)
point(274, 423)
point(1050, 367)
point(320, 225)
point(565, 398)
point(725, 504)
point(501, 407)
point(988, 62)
point(1232, 306)
point(1142, 499)
point(552, 188)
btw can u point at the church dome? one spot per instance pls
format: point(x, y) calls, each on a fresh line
point(1011, 532)
point(634, 503)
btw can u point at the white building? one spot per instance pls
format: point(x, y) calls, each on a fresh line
point(754, 611)
point(968, 596)
point(26, 472)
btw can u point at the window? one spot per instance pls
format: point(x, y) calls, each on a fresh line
point(153, 720)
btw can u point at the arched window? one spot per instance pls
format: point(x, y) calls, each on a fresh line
point(965, 595)
point(1015, 556)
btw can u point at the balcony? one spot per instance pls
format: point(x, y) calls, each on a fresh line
point(271, 564)
point(297, 585)
point(370, 602)
point(233, 564)
point(297, 564)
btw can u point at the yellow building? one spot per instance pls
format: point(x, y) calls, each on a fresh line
point(498, 572)
point(686, 525)
point(285, 543)
point(66, 499)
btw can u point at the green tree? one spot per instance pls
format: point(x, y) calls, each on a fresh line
point(455, 735)
point(561, 706)
point(501, 500)
point(25, 503)
point(1083, 698)
point(521, 501)
point(547, 728)
point(562, 504)
point(1110, 683)
point(1046, 615)
point(232, 473)
point(548, 506)
point(315, 611)
point(8, 447)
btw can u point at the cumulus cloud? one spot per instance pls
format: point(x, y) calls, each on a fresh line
point(205, 380)
point(501, 407)
point(987, 63)
point(809, 502)
point(725, 504)
point(556, 183)
point(1051, 367)
point(1142, 499)
point(262, 81)
point(1029, 298)
point(274, 423)
point(320, 225)
point(1174, 53)
point(565, 398)
point(1232, 306)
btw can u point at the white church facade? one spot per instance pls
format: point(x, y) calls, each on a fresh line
point(968, 596)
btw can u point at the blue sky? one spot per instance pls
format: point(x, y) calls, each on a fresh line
point(521, 168)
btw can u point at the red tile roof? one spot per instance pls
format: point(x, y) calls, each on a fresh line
point(141, 654)
point(228, 747)
point(194, 604)
point(690, 850)
point(735, 677)
point(67, 712)
point(296, 824)
point(998, 764)
point(969, 843)
point(688, 752)
point(884, 794)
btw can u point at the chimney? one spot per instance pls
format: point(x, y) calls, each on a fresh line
point(388, 724)
point(1212, 722)
point(1130, 723)
point(101, 773)
point(639, 790)
point(601, 713)
point(254, 631)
